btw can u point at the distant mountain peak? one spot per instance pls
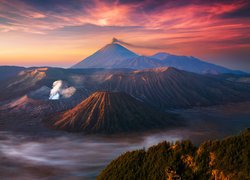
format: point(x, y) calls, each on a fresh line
point(114, 55)
point(106, 57)
point(113, 47)
point(114, 40)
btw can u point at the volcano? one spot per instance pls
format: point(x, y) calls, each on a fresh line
point(110, 112)
point(192, 64)
point(116, 56)
point(107, 57)
point(168, 87)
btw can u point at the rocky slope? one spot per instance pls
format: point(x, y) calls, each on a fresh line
point(164, 87)
point(106, 57)
point(37, 79)
point(22, 83)
point(140, 62)
point(110, 112)
point(168, 87)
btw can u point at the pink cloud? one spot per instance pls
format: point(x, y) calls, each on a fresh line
point(178, 26)
point(189, 17)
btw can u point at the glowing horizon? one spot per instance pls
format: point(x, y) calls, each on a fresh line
point(59, 33)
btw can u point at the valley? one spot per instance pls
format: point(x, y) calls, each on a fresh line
point(57, 154)
point(70, 123)
point(124, 90)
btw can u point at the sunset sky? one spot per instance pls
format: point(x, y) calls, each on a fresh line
point(63, 32)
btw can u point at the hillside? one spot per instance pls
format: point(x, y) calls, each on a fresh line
point(9, 71)
point(22, 83)
point(140, 62)
point(224, 159)
point(110, 112)
point(35, 79)
point(192, 64)
point(106, 57)
point(164, 87)
point(167, 87)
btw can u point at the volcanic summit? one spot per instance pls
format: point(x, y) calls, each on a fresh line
point(110, 112)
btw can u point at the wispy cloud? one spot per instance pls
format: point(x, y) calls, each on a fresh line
point(180, 25)
point(165, 15)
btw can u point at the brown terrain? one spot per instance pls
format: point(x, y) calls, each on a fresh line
point(168, 87)
point(110, 112)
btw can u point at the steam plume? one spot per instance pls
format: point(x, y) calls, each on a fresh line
point(118, 41)
point(60, 89)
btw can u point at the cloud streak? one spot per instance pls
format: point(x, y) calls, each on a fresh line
point(187, 27)
point(150, 14)
point(115, 40)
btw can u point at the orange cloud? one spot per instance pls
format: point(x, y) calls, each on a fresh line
point(65, 34)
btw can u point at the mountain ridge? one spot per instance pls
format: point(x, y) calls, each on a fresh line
point(192, 64)
point(168, 87)
point(115, 55)
point(163, 87)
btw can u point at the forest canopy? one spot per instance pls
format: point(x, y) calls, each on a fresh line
point(218, 159)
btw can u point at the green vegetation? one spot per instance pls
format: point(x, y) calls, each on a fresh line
point(225, 159)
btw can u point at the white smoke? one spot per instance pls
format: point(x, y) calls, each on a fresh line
point(54, 93)
point(67, 93)
point(61, 90)
point(54, 96)
point(119, 41)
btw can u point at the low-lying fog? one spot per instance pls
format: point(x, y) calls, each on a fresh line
point(77, 156)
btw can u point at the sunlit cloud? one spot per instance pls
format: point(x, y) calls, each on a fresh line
point(194, 28)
